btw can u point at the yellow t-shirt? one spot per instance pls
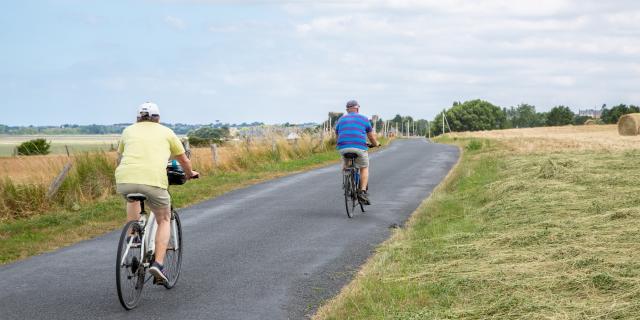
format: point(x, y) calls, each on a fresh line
point(145, 148)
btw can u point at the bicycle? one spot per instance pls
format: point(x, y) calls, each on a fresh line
point(136, 253)
point(351, 184)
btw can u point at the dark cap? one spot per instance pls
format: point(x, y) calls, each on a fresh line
point(352, 104)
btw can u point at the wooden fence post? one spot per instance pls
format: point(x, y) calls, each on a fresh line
point(214, 153)
point(57, 182)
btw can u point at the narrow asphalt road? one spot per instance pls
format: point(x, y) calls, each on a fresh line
point(275, 250)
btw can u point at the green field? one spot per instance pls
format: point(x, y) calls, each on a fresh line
point(512, 236)
point(60, 143)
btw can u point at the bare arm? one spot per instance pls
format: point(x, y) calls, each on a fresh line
point(372, 137)
point(186, 166)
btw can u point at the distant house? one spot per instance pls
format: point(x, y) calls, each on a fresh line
point(590, 113)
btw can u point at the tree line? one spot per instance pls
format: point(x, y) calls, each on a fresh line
point(475, 115)
point(178, 128)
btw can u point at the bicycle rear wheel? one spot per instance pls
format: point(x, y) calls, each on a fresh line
point(173, 258)
point(348, 198)
point(130, 272)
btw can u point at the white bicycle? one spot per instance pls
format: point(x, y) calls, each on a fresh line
point(136, 253)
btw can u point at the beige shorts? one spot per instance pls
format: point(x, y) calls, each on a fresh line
point(362, 161)
point(157, 197)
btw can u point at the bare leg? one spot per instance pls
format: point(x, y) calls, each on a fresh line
point(364, 178)
point(163, 217)
point(133, 211)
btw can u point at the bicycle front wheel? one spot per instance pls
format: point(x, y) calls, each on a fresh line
point(130, 272)
point(173, 258)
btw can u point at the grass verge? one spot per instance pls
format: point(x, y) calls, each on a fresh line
point(511, 236)
point(22, 238)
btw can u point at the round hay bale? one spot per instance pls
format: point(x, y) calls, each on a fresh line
point(629, 124)
point(590, 122)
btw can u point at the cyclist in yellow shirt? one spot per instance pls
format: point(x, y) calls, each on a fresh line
point(144, 148)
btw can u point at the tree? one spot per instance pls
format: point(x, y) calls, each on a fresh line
point(475, 115)
point(612, 115)
point(523, 116)
point(560, 116)
point(34, 147)
point(207, 135)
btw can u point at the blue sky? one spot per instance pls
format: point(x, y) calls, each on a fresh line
point(72, 61)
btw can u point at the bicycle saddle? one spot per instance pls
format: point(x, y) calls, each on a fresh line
point(136, 197)
point(350, 155)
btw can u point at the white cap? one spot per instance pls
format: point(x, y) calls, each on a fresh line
point(148, 108)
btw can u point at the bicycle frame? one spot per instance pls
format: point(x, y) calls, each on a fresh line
point(150, 227)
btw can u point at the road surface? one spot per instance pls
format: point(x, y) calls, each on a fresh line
point(275, 250)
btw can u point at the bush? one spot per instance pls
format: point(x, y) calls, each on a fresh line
point(474, 145)
point(92, 177)
point(207, 135)
point(34, 147)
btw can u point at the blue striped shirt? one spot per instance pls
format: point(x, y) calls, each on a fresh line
point(352, 131)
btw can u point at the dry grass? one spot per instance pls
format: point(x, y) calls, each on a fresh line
point(32, 169)
point(26, 179)
point(554, 139)
point(233, 156)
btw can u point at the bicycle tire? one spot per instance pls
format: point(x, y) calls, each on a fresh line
point(173, 257)
point(130, 276)
point(346, 185)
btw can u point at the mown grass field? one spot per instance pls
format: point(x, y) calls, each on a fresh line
point(519, 230)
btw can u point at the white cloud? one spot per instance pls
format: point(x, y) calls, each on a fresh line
point(175, 22)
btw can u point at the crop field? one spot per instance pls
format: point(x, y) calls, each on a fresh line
point(60, 143)
point(531, 224)
point(558, 139)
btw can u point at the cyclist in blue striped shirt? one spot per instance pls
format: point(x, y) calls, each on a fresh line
point(353, 129)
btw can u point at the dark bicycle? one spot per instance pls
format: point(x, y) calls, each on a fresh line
point(351, 184)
